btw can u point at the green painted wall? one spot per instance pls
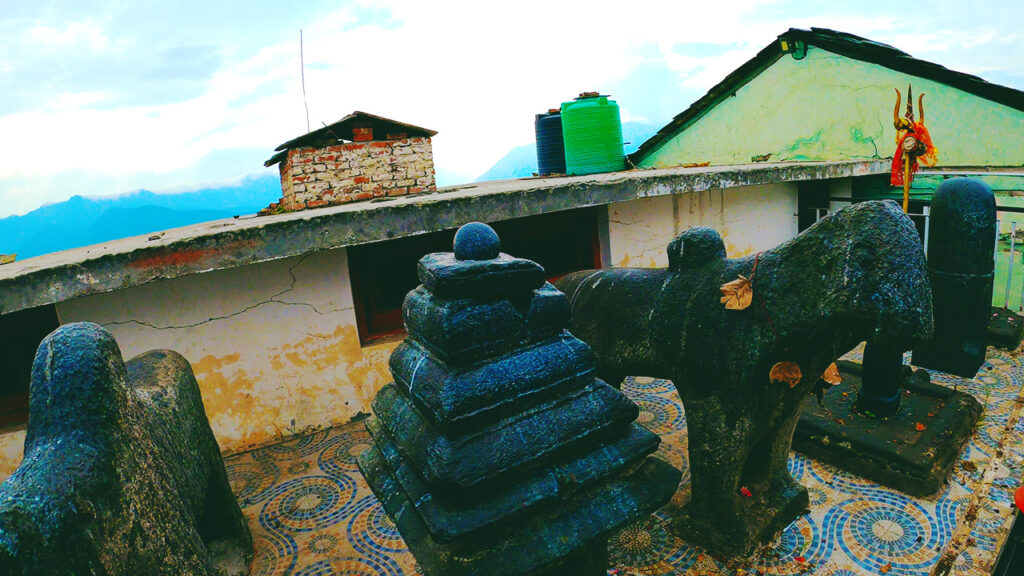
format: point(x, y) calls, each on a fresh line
point(830, 107)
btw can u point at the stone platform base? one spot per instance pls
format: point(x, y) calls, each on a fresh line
point(539, 545)
point(1005, 328)
point(912, 451)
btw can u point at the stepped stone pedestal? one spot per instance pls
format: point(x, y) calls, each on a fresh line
point(496, 450)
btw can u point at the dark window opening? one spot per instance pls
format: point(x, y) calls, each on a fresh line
point(383, 273)
point(812, 202)
point(20, 335)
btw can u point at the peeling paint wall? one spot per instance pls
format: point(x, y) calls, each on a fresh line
point(274, 346)
point(749, 219)
point(830, 107)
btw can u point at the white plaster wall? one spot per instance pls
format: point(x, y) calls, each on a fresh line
point(274, 346)
point(749, 218)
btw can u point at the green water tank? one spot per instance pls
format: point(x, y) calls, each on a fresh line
point(593, 135)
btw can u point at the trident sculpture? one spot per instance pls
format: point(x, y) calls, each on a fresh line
point(913, 144)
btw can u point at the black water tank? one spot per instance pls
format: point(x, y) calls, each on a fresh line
point(550, 147)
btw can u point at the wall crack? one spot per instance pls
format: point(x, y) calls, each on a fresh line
point(275, 299)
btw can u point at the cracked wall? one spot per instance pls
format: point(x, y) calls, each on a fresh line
point(829, 107)
point(274, 346)
point(749, 218)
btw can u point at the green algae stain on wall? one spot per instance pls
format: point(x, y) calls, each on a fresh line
point(830, 107)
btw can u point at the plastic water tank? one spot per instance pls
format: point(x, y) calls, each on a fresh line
point(593, 135)
point(550, 147)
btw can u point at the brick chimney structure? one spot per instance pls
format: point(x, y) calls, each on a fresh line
point(360, 157)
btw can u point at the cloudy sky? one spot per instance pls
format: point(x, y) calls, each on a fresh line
point(104, 97)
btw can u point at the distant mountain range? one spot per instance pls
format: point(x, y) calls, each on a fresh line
point(81, 221)
point(521, 161)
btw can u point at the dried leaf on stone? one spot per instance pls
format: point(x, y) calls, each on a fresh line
point(832, 375)
point(738, 294)
point(787, 372)
point(885, 569)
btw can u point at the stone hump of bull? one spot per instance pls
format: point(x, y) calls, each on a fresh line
point(122, 475)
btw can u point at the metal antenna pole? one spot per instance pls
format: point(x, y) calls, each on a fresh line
point(302, 68)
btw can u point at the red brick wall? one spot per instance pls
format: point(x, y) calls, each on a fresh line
point(315, 177)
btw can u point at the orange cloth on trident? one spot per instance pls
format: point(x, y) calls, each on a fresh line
point(928, 158)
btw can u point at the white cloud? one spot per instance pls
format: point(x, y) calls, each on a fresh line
point(476, 72)
point(87, 32)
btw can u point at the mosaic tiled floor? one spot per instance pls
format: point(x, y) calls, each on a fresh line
point(312, 513)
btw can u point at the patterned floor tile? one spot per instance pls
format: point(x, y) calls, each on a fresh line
point(312, 513)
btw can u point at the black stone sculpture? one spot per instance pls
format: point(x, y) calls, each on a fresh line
point(962, 235)
point(122, 475)
point(496, 450)
point(880, 391)
point(857, 274)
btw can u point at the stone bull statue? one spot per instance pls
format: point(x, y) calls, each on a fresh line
point(122, 475)
point(857, 274)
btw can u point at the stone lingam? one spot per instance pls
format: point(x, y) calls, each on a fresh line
point(122, 475)
point(745, 340)
point(496, 450)
point(961, 266)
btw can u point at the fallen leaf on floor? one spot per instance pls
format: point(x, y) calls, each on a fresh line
point(919, 427)
point(885, 569)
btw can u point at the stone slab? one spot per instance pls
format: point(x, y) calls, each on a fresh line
point(1005, 328)
point(462, 330)
point(589, 516)
point(496, 513)
point(459, 400)
point(509, 447)
point(446, 276)
point(891, 451)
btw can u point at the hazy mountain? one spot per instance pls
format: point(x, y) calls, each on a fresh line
point(521, 161)
point(81, 221)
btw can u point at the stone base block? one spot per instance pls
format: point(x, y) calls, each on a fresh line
point(912, 451)
point(571, 538)
point(1005, 328)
